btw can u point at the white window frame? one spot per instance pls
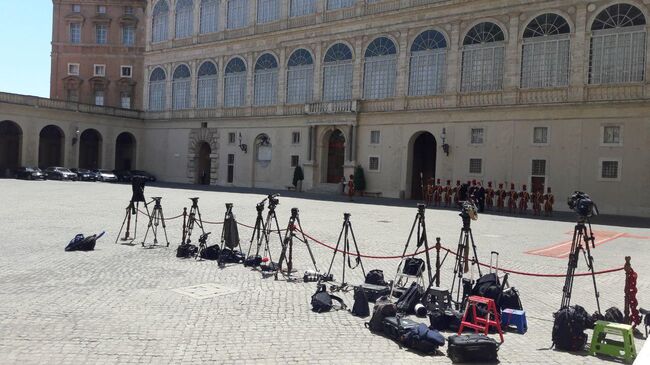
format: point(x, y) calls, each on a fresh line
point(469, 166)
point(265, 87)
point(268, 11)
point(532, 174)
point(546, 62)
point(97, 67)
point(428, 72)
point(126, 67)
point(618, 170)
point(207, 88)
point(302, 7)
point(337, 80)
point(73, 73)
point(378, 163)
point(160, 25)
point(471, 136)
point(620, 135)
point(125, 96)
point(479, 75)
point(379, 77)
point(625, 64)
point(376, 132)
point(184, 21)
point(101, 98)
point(548, 136)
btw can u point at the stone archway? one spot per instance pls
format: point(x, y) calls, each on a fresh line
point(51, 146)
point(11, 138)
point(422, 162)
point(203, 164)
point(197, 137)
point(335, 142)
point(90, 149)
point(125, 147)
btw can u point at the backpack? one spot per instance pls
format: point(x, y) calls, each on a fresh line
point(230, 232)
point(231, 256)
point(614, 315)
point(510, 299)
point(321, 301)
point(413, 266)
point(406, 303)
point(360, 307)
point(487, 286)
point(81, 243)
point(253, 261)
point(210, 253)
point(423, 339)
point(186, 250)
point(383, 308)
point(568, 329)
point(375, 277)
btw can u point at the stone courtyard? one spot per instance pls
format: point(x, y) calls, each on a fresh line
point(128, 304)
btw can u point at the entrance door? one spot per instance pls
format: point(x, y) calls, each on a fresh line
point(335, 157)
point(537, 184)
point(10, 142)
point(50, 147)
point(90, 149)
point(424, 163)
point(125, 151)
point(204, 164)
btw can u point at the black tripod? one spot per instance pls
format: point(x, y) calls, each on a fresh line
point(156, 218)
point(192, 220)
point(263, 229)
point(421, 239)
point(580, 234)
point(287, 244)
point(463, 260)
point(346, 231)
point(131, 209)
point(229, 235)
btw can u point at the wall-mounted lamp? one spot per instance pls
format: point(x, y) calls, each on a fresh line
point(77, 132)
point(445, 145)
point(242, 146)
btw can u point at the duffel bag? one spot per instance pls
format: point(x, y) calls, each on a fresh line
point(395, 327)
point(210, 253)
point(422, 339)
point(472, 348)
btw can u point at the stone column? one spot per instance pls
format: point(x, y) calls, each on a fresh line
point(512, 60)
point(196, 16)
point(252, 13)
point(214, 168)
point(282, 76)
point(318, 72)
point(357, 74)
point(171, 22)
point(250, 78)
point(579, 62)
point(222, 23)
point(401, 82)
point(194, 65)
point(453, 62)
point(169, 69)
point(221, 69)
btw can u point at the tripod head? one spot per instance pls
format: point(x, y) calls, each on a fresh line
point(294, 213)
point(346, 216)
point(228, 206)
point(156, 200)
point(421, 208)
point(260, 207)
point(195, 202)
point(468, 214)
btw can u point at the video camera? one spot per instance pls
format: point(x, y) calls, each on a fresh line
point(582, 204)
point(469, 210)
point(137, 186)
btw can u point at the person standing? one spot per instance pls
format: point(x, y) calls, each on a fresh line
point(351, 187)
point(512, 199)
point(479, 197)
point(523, 200)
point(536, 199)
point(447, 191)
point(489, 196)
point(501, 198)
point(549, 200)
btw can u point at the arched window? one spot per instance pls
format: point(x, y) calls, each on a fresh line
point(300, 77)
point(184, 18)
point(237, 14)
point(268, 11)
point(339, 4)
point(617, 46)
point(428, 64)
point(181, 88)
point(209, 16)
point(302, 7)
point(483, 52)
point(207, 86)
point(159, 22)
point(337, 73)
point(157, 89)
point(266, 80)
point(380, 69)
point(235, 83)
point(545, 55)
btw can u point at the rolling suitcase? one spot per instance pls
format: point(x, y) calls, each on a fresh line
point(373, 292)
point(395, 327)
point(472, 348)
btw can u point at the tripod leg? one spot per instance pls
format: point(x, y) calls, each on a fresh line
point(346, 249)
point(458, 268)
point(286, 241)
point(336, 250)
point(426, 249)
point(478, 266)
point(162, 220)
point(127, 216)
point(200, 222)
point(137, 213)
point(304, 239)
point(356, 247)
point(590, 264)
point(573, 263)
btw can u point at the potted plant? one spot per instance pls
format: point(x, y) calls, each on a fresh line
point(359, 180)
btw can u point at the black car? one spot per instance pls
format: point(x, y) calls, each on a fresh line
point(147, 176)
point(123, 175)
point(85, 175)
point(29, 173)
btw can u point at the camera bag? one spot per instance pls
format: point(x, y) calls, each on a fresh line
point(406, 303)
point(373, 292)
point(422, 339)
point(510, 299)
point(231, 256)
point(253, 261)
point(395, 327)
point(614, 315)
point(81, 243)
point(413, 266)
point(210, 253)
point(472, 348)
point(383, 308)
point(322, 301)
point(375, 277)
point(568, 329)
point(360, 307)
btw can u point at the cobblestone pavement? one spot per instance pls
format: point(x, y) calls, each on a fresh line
point(118, 304)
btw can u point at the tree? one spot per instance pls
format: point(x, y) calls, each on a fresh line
point(359, 179)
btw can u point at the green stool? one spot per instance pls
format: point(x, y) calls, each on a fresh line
point(601, 345)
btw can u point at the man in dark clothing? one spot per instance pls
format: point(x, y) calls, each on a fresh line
point(462, 193)
point(479, 197)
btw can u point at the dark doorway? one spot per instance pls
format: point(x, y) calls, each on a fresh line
point(125, 152)
point(204, 164)
point(10, 144)
point(50, 147)
point(90, 149)
point(424, 163)
point(537, 184)
point(335, 157)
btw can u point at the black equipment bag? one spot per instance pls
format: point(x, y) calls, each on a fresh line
point(488, 286)
point(360, 307)
point(383, 308)
point(231, 256)
point(614, 315)
point(438, 320)
point(373, 292)
point(81, 243)
point(395, 327)
point(186, 250)
point(436, 299)
point(422, 339)
point(510, 299)
point(568, 329)
point(410, 298)
point(210, 253)
point(321, 301)
point(472, 348)
point(375, 277)
point(253, 261)
point(413, 266)
point(230, 232)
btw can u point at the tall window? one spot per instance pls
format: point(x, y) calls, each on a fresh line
point(540, 135)
point(380, 69)
point(477, 135)
point(101, 33)
point(99, 96)
point(428, 64)
point(128, 35)
point(235, 83)
point(207, 86)
point(617, 46)
point(184, 18)
point(339, 4)
point(157, 89)
point(237, 13)
point(266, 80)
point(209, 16)
point(159, 21)
point(125, 100)
point(475, 166)
point(337, 73)
point(483, 52)
point(300, 76)
point(302, 7)
point(268, 10)
point(75, 32)
point(181, 87)
point(545, 55)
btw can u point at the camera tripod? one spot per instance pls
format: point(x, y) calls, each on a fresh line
point(156, 218)
point(287, 243)
point(580, 234)
point(462, 260)
point(346, 231)
point(263, 229)
point(229, 233)
point(421, 239)
point(191, 221)
point(131, 209)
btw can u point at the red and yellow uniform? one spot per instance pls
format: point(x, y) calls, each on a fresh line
point(549, 200)
point(446, 194)
point(489, 196)
point(536, 199)
point(524, 197)
point(437, 194)
point(512, 199)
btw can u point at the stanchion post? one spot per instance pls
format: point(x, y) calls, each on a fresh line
point(438, 247)
point(628, 269)
point(184, 224)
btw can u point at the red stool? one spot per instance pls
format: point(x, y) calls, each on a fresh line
point(482, 324)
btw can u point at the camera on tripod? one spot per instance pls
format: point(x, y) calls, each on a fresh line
point(137, 186)
point(469, 210)
point(273, 199)
point(582, 204)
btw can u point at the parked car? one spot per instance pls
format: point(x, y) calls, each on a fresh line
point(105, 175)
point(123, 175)
point(29, 173)
point(85, 175)
point(60, 173)
point(149, 177)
